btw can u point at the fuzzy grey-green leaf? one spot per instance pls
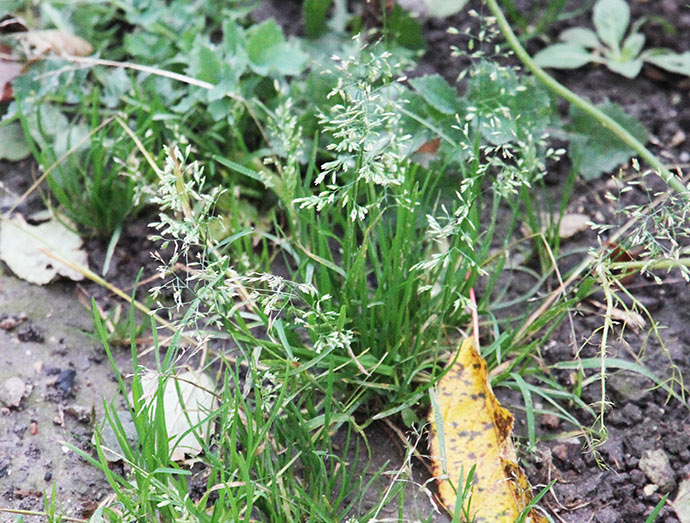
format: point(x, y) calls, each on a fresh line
point(629, 69)
point(13, 145)
point(563, 56)
point(632, 46)
point(437, 92)
point(676, 63)
point(611, 19)
point(580, 36)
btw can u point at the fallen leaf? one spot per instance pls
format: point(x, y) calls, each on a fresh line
point(39, 42)
point(571, 224)
point(23, 248)
point(198, 401)
point(630, 318)
point(430, 147)
point(470, 428)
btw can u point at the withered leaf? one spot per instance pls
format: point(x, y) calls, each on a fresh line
point(475, 430)
point(39, 42)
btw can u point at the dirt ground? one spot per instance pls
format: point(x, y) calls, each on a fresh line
point(51, 336)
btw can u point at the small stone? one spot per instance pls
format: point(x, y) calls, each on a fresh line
point(12, 391)
point(650, 489)
point(65, 380)
point(657, 468)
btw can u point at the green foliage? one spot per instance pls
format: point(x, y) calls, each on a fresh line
point(269, 52)
point(609, 45)
point(314, 13)
point(593, 148)
point(13, 145)
point(333, 256)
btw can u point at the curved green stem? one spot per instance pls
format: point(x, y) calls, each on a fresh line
point(584, 104)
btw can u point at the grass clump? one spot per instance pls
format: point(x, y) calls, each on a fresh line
point(305, 229)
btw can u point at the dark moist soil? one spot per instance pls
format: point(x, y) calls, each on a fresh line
point(42, 338)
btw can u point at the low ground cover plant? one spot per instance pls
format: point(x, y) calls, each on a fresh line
point(610, 46)
point(317, 236)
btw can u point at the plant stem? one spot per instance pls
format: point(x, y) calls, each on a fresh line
point(584, 104)
point(651, 265)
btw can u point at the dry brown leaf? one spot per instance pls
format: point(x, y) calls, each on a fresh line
point(475, 430)
point(40, 42)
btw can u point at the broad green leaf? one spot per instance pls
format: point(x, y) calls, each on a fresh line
point(563, 56)
point(268, 51)
point(470, 428)
point(498, 98)
point(611, 19)
point(629, 69)
point(595, 148)
point(48, 120)
point(73, 135)
point(13, 145)
point(405, 29)
point(443, 8)
point(117, 83)
point(205, 65)
point(437, 92)
point(676, 63)
point(581, 37)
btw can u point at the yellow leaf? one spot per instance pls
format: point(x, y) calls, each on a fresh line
point(475, 431)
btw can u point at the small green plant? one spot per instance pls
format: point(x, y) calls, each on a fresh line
point(610, 46)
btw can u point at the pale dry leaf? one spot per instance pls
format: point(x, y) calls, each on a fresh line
point(571, 224)
point(631, 318)
point(40, 42)
point(24, 248)
point(194, 394)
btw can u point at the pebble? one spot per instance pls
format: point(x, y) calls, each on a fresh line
point(65, 380)
point(12, 391)
point(657, 467)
